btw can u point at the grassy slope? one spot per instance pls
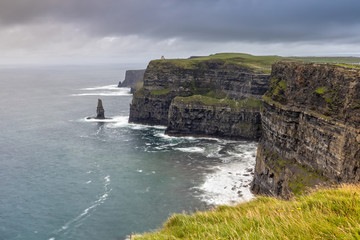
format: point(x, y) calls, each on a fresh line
point(348, 60)
point(324, 214)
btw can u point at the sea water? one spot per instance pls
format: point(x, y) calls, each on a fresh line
point(65, 177)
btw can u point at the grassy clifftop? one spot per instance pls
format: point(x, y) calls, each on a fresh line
point(258, 63)
point(324, 214)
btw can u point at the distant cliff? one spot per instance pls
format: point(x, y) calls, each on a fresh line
point(311, 128)
point(133, 79)
point(218, 79)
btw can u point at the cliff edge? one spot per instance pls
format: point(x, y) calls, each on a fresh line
point(217, 79)
point(311, 128)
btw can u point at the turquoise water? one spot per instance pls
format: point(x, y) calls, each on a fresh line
point(63, 177)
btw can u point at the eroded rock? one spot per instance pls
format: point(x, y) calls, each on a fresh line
point(311, 124)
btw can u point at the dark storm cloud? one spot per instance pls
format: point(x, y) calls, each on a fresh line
point(205, 20)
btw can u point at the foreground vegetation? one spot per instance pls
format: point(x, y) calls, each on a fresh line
point(323, 214)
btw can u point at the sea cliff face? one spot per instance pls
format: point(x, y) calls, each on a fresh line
point(164, 80)
point(133, 79)
point(311, 128)
point(203, 116)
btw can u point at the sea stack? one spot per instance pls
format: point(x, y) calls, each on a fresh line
point(100, 112)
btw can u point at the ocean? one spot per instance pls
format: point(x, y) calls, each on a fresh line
point(65, 177)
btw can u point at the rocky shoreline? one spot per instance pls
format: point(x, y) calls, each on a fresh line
point(306, 114)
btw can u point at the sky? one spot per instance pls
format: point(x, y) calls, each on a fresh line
point(136, 31)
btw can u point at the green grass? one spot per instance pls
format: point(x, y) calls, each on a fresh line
point(258, 63)
point(346, 60)
point(323, 214)
point(348, 65)
point(276, 90)
point(224, 102)
point(159, 92)
point(321, 90)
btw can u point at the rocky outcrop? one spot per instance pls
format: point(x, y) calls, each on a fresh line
point(166, 79)
point(100, 112)
point(133, 79)
point(311, 128)
point(151, 107)
point(203, 116)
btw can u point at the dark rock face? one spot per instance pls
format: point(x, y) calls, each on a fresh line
point(100, 112)
point(150, 109)
point(164, 81)
point(311, 129)
point(235, 80)
point(133, 78)
point(198, 119)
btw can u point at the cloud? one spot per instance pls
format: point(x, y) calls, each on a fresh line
point(206, 20)
point(125, 27)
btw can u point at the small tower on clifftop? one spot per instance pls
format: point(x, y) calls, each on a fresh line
point(162, 58)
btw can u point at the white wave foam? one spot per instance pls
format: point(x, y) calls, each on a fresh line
point(116, 120)
point(123, 121)
point(84, 214)
point(213, 152)
point(108, 90)
point(102, 94)
point(88, 182)
point(164, 136)
point(107, 178)
point(229, 184)
point(191, 149)
point(107, 87)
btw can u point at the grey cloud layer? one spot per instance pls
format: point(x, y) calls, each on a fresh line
point(205, 20)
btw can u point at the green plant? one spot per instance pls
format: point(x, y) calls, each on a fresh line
point(328, 213)
point(159, 92)
point(321, 90)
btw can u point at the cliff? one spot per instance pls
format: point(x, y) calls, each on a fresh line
point(204, 116)
point(311, 128)
point(133, 79)
point(220, 76)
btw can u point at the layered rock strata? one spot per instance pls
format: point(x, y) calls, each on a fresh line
point(203, 116)
point(166, 79)
point(311, 128)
